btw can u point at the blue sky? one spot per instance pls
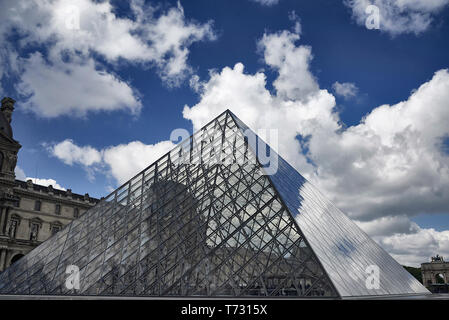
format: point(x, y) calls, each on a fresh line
point(101, 85)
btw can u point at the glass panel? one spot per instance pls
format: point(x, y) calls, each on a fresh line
point(343, 249)
point(214, 227)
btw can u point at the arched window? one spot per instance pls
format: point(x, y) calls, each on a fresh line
point(16, 257)
point(55, 227)
point(76, 212)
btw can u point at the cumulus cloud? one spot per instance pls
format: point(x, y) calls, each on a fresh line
point(73, 88)
point(415, 248)
point(46, 182)
point(393, 163)
point(69, 153)
point(126, 160)
point(388, 225)
point(398, 16)
point(70, 41)
point(121, 162)
point(295, 81)
point(346, 89)
point(408, 243)
point(20, 175)
point(169, 36)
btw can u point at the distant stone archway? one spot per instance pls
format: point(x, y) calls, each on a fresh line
point(435, 274)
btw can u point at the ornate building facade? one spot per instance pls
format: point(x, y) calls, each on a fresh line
point(29, 213)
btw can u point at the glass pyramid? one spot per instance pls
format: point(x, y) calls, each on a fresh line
point(207, 220)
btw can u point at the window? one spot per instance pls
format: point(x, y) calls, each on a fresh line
point(37, 205)
point(34, 231)
point(17, 203)
point(58, 209)
point(55, 229)
point(76, 212)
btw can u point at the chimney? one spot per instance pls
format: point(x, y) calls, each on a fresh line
point(8, 107)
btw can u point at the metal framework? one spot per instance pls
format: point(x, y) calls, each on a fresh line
point(203, 220)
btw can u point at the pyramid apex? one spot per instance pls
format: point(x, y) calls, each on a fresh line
point(231, 113)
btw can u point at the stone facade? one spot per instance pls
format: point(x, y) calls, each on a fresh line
point(29, 213)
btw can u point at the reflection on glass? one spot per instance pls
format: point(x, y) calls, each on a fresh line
point(204, 220)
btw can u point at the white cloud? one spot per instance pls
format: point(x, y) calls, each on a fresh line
point(68, 152)
point(20, 175)
point(122, 162)
point(293, 16)
point(295, 81)
point(399, 16)
point(415, 248)
point(126, 160)
point(46, 182)
point(408, 243)
point(267, 3)
point(392, 162)
point(170, 36)
point(76, 33)
point(388, 225)
point(346, 89)
point(195, 83)
point(73, 88)
point(162, 39)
